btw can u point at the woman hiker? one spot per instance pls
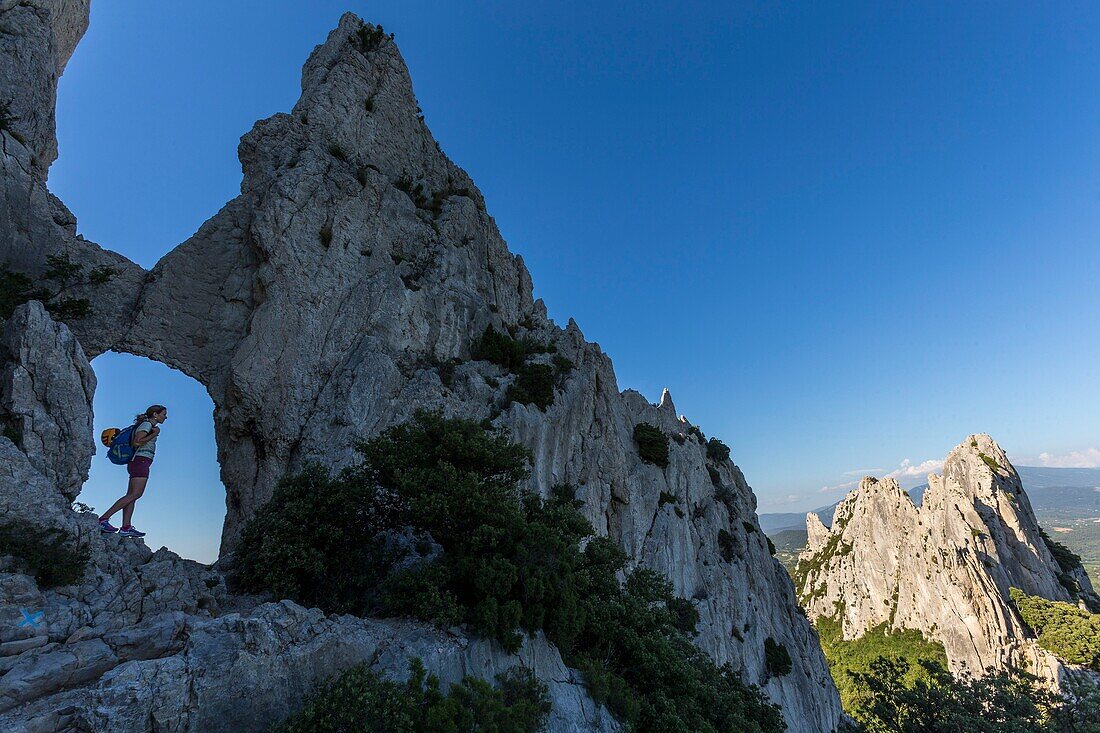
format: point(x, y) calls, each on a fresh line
point(145, 441)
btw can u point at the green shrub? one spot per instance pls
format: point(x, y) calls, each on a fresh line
point(749, 527)
point(847, 658)
point(1063, 629)
point(368, 38)
point(1067, 560)
point(717, 450)
point(62, 276)
point(771, 545)
point(325, 235)
point(509, 561)
point(636, 645)
point(562, 366)
point(777, 660)
point(51, 556)
point(359, 700)
point(652, 444)
point(990, 462)
point(499, 348)
point(666, 498)
point(727, 545)
point(715, 478)
point(698, 434)
point(894, 700)
point(336, 565)
point(534, 385)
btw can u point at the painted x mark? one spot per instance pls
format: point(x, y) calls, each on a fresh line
point(31, 619)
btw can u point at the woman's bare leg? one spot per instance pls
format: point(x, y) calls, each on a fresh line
point(138, 488)
point(134, 490)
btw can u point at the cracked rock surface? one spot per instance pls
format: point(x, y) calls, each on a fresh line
point(944, 567)
point(318, 308)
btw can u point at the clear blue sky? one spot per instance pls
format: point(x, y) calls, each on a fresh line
point(843, 235)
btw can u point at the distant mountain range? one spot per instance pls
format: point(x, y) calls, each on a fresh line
point(1073, 493)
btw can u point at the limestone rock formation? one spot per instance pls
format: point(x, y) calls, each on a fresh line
point(944, 567)
point(46, 387)
point(344, 289)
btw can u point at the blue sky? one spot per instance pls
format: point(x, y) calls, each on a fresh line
point(844, 235)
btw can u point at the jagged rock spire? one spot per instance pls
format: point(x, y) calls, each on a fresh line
point(945, 567)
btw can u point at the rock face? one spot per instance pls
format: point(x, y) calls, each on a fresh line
point(46, 387)
point(344, 289)
point(943, 568)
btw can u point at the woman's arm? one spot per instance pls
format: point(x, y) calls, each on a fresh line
point(144, 437)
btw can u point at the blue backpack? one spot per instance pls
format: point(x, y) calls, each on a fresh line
point(122, 450)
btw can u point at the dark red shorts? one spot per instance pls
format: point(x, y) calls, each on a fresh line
point(138, 467)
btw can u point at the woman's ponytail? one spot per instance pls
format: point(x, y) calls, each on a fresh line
point(148, 414)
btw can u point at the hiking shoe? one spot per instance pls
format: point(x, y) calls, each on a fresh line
point(130, 531)
point(105, 526)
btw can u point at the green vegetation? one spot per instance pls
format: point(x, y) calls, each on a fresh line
point(426, 200)
point(51, 556)
point(727, 545)
point(534, 383)
point(717, 450)
point(893, 699)
point(666, 498)
point(500, 349)
point(432, 524)
point(715, 478)
point(62, 275)
point(698, 434)
point(1067, 560)
point(809, 568)
point(897, 682)
point(368, 38)
point(325, 235)
point(652, 444)
point(1063, 629)
point(359, 700)
point(990, 462)
point(856, 656)
point(749, 527)
point(777, 659)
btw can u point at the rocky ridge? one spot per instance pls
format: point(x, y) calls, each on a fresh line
point(944, 567)
point(351, 277)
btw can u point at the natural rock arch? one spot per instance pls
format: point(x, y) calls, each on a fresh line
point(184, 506)
point(318, 306)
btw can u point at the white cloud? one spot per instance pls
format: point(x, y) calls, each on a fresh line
point(908, 469)
point(1088, 458)
point(838, 487)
